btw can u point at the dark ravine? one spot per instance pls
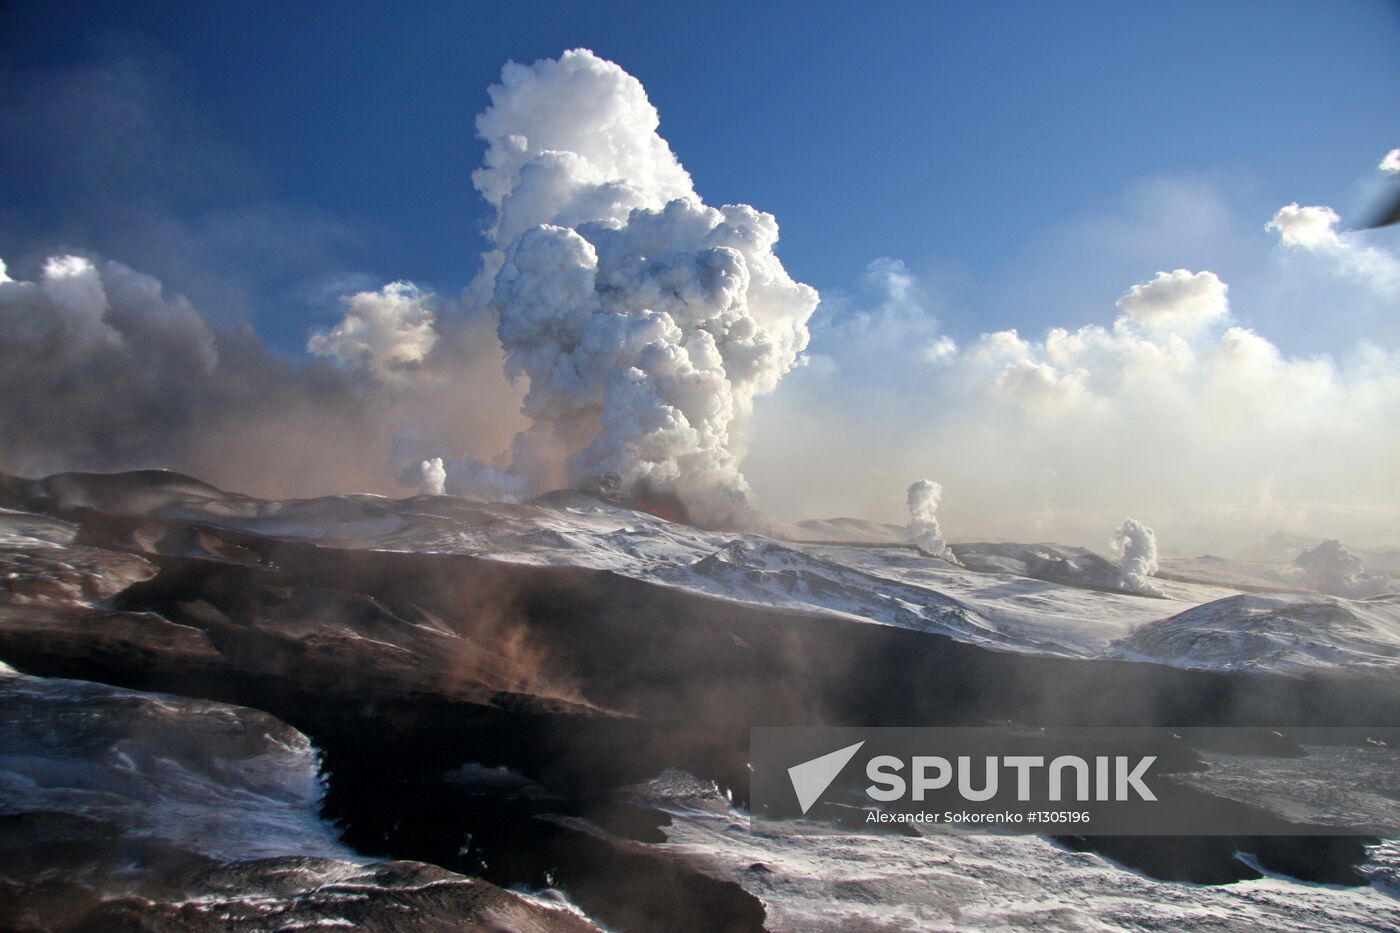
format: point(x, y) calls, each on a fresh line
point(402, 667)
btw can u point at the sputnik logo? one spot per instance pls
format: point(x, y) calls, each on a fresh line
point(811, 778)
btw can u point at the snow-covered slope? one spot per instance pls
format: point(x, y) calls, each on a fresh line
point(1043, 598)
point(1052, 617)
point(1257, 575)
point(223, 781)
point(946, 882)
point(1274, 632)
point(130, 810)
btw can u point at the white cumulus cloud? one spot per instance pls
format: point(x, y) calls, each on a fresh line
point(1172, 410)
point(1308, 227)
point(1176, 300)
point(1314, 229)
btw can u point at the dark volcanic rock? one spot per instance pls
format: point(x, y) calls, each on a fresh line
point(402, 667)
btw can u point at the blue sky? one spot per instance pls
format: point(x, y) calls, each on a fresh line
point(989, 146)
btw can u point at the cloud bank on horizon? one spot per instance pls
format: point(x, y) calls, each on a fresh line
point(1175, 409)
point(620, 331)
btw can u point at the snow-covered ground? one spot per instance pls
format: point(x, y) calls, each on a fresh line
point(1305, 788)
point(1284, 632)
point(1076, 614)
point(939, 881)
point(1050, 617)
point(187, 814)
point(221, 780)
point(888, 584)
point(1043, 599)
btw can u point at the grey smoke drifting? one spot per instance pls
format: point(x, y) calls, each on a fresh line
point(1331, 568)
point(102, 369)
point(1136, 547)
point(923, 497)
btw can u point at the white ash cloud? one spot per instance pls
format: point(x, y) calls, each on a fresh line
point(1135, 545)
point(923, 498)
point(387, 333)
point(645, 321)
point(1211, 410)
point(78, 312)
point(941, 350)
point(1391, 162)
point(88, 353)
point(570, 141)
point(1330, 568)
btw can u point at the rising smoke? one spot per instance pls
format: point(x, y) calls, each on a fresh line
point(1136, 548)
point(1314, 230)
point(923, 497)
point(645, 321)
point(434, 476)
point(1330, 568)
point(468, 478)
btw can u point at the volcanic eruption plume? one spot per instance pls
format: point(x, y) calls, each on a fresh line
point(1136, 547)
point(924, 496)
point(646, 321)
